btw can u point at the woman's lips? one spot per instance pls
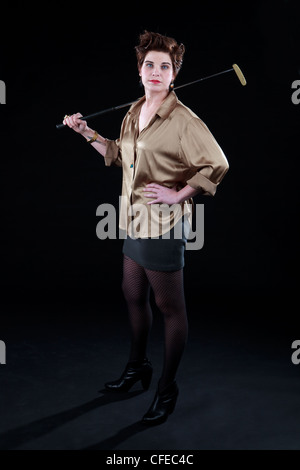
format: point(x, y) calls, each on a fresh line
point(154, 81)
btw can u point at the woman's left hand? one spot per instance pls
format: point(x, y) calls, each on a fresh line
point(160, 194)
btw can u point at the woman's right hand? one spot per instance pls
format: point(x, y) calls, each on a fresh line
point(75, 123)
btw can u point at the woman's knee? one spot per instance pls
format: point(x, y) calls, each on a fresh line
point(168, 305)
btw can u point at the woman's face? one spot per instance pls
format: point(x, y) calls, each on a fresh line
point(157, 71)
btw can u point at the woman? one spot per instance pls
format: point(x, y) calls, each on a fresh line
point(168, 156)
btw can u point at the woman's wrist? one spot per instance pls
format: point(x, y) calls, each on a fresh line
point(185, 193)
point(88, 133)
point(92, 136)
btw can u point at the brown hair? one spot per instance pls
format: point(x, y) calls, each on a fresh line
point(157, 42)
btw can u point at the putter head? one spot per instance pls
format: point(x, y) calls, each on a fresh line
point(239, 74)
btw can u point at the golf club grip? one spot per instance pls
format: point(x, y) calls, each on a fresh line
point(83, 118)
point(99, 113)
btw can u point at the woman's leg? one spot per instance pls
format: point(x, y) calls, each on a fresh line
point(168, 290)
point(136, 289)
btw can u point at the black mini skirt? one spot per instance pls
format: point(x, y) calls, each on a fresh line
point(157, 254)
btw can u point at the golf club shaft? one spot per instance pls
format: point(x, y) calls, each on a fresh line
point(234, 68)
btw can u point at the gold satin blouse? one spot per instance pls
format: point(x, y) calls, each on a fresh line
point(175, 148)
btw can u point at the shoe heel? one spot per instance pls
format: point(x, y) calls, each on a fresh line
point(146, 379)
point(172, 406)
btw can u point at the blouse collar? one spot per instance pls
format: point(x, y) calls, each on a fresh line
point(165, 109)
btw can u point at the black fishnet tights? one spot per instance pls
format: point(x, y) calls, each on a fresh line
point(169, 298)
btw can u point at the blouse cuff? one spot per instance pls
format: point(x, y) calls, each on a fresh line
point(200, 183)
point(112, 153)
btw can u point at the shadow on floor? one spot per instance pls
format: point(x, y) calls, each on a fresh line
point(23, 434)
point(124, 434)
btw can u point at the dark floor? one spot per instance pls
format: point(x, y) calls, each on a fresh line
point(238, 386)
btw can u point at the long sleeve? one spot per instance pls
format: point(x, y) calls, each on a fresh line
point(114, 147)
point(203, 156)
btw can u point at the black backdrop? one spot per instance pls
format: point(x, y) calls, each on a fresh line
point(58, 58)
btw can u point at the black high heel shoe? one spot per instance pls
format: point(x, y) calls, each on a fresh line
point(133, 372)
point(162, 406)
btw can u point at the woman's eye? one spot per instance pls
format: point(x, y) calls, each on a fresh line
point(165, 67)
point(149, 65)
